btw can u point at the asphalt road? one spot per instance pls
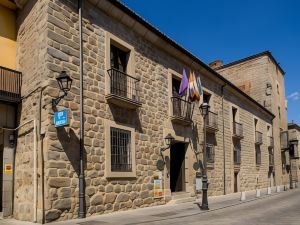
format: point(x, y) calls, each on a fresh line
point(282, 209)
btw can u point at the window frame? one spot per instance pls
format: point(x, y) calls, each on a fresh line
point(108, 171)
point(111, 39)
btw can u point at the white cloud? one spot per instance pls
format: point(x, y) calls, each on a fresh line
point(294, 96)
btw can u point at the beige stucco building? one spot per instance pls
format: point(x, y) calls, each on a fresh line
point(132, 73)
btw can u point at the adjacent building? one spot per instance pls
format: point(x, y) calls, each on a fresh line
point(261, 77)
point(132, 74)
point(294, 137)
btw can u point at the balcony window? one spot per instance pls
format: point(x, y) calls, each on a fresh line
point(258, 138)
point(236, 155)
point(284, 140)
point(270, 141)
point(271, 158)
point(257, 155)
point(210, 153)
point(212, 121)
point(10, 85)
point(237, 130)
point(182, 109)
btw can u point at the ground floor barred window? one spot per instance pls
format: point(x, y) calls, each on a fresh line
point(120, 150)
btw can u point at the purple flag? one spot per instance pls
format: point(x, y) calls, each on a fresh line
point(184, 83)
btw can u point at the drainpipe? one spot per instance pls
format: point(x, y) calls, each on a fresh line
point(34, 164)
point(224, 151)
point(81, 211)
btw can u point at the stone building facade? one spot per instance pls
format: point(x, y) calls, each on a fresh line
point(261, 77)
point(294, 137)
point(131, 77)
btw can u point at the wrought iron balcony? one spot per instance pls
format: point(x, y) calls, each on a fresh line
point(10, 85)
point(270, 141)
point(124, 89)
point(237, 156)
point(258, 138)
point(212, 122)
point(238, 130)
point(284, 140)
point(182, 111)
point(210, 153)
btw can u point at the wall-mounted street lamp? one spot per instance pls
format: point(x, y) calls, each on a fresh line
point(64, 82)
point(169, 140)
point(204, 109)
point(11, 140)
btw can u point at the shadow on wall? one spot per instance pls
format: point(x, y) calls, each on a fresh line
point(70, 144)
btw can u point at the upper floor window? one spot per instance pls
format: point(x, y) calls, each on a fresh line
point(279, 113)
point(234, 114)
point(118, 58)
point(277, 86)
point(175, 86)
point(206, 98)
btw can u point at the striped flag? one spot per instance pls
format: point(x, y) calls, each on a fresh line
point(195, 87)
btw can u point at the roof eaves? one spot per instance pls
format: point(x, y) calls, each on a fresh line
point(185, 51)
point(268, 53)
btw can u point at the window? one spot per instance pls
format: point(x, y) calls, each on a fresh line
point(279, 113)
point(268, 89)
point(206, 98)
point(175, 86)
point(234, 114)
point(210, 153)
point(118, 59)
point(257, 155)
point(283, 161)
point(277, 85)
point(236, 153)
point(119, 150)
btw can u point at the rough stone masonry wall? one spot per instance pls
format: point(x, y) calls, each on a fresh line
point(31, 52)
point(61, 152)
point(103, 195)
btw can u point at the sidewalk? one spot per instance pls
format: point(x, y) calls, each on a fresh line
point(157, 213)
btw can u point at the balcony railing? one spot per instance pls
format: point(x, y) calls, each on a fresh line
point(270, 141)
point(238, 130)
point(124, 89)
point(236, 156)
point(10, 85)
point(258, 138)
point(182, 109)
point(284, 140)
point(212, 121)
point(210, 153)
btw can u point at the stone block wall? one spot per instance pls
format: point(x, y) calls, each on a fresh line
point(253, 77)
point(59, 50)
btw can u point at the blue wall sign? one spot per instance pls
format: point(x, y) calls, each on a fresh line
point(61, 118)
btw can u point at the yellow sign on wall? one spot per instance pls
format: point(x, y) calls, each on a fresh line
point(158, 190)
point(7, 168)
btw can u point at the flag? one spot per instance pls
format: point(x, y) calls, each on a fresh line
point(195, 88)
point(199, 85)
point(184, 83)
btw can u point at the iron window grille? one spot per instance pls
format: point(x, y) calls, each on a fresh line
point(270, 141)
point(236, 156)
point(121, 160)
point(284, 137)
point(210, 153)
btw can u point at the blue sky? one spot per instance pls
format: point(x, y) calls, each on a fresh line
point(233, 29)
